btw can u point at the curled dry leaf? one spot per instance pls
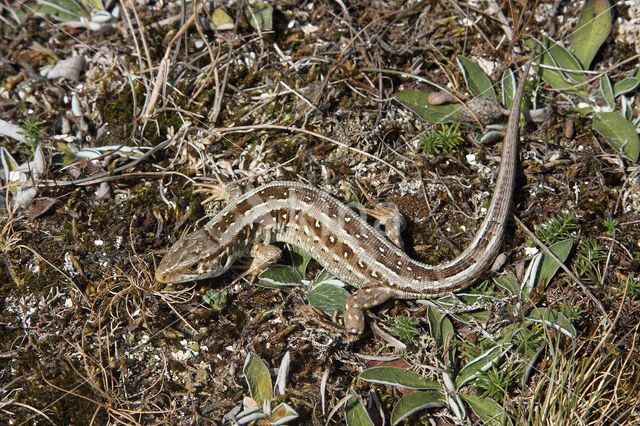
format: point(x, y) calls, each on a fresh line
point(13, 131)
point(500, 261)
point(69, 68)
point(24, 197)
point(486, 109)
point(104, 191)
point(539, 115)
point(41, 206)
point(439, 98)
point(38, 165)
point(568, 129)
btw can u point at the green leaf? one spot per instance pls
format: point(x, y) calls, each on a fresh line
point(552, 319)
point(509, 283)
point(250, 415)
point(418, 102)
point(258, 379)
point(591, 31)
point(355, 414)
point(509, 86)
point(477, 81)
point(260, 16)
point(328, 298)
point(65, 10)
point(560, 57)
point(216, 299)
point(556, 56)
point(482, 363)
point(441, 326)
point(626, 110)
point(10, 168)
point(323, 277)
point(487, 409)
point(619, 133)
point(278, 276)
point(414, 402)
point(92, 4)
point(586, 110)
point(396, 376)
point(607, 90)
point(549, 266)
point(626, 85)
point(221, 20)
point(530, 278)
point(300, 259)
point(121, 150)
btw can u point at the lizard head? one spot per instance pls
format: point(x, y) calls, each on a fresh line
point(194, 257)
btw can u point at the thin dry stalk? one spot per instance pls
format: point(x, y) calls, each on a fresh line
point(581, 390)
point(213, 67)
point(244, 129)
point(161, 77)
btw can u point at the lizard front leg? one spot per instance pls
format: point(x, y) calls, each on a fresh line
point(262, 256)
point(394, 223)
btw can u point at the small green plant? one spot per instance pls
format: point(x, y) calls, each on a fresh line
point(216, 299)
point(634, 285)
point(571, 312)
point(474, 374)
point(452, 389)
point(443, 140)
point(611, 225)
point(590, 254)
point(263, 396)
point(559, 228)
point(497, 382)
point(405, 330)
point(566, 69)
point(325, 292)
point(32, 132)
point(90, 14)
point(526, 340)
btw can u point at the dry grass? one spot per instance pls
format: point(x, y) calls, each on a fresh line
point(88, 336)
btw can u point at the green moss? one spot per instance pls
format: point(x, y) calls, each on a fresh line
point(118, 108)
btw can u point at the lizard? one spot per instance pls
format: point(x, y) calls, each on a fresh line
point(340, 240)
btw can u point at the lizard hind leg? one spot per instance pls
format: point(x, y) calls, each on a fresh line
point(361, 300)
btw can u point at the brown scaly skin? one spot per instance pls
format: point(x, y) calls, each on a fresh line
point(341, 240)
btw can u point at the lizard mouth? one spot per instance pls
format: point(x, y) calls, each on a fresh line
point(162, 276)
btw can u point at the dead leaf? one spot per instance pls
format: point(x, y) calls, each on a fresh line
point(69, 68)
point(41, 206)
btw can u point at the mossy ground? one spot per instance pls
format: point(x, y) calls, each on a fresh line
point(89, 336)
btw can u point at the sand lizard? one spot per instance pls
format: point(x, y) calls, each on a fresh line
point(341, 240)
